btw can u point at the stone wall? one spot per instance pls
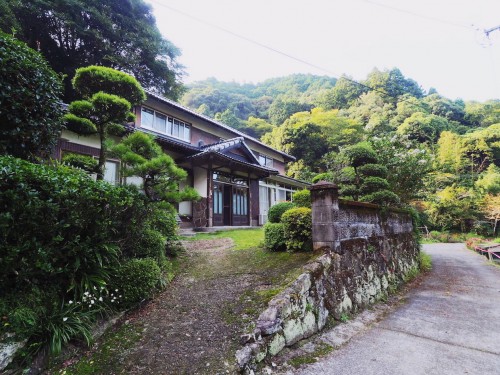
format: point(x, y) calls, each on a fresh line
point(366, 250)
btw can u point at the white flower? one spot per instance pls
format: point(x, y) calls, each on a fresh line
point(91, 301)
point(116, 290)
point(100, 299)
point(64, 319)
point(70, 302)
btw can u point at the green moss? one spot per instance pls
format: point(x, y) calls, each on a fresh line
point(106, 359)
point(321, 350)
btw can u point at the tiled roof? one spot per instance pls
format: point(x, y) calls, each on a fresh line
point(223, 144)
point(233, 159)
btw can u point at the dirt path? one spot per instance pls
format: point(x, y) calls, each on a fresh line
point(449, 325)
point(184, 329)
point(194, 326)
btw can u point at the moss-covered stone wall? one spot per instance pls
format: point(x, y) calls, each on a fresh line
point(368, 250)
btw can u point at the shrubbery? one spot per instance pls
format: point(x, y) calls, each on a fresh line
point(65, 240)
point(298, 229)
point(275, 212)
point(136, 279)
point(274, 236)
point(302, 198)
point(30, 111)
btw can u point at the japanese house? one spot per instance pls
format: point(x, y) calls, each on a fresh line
point(237, 176)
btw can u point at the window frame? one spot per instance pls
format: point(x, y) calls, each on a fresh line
point(171, 123)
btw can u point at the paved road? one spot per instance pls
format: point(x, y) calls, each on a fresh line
point(450, 325)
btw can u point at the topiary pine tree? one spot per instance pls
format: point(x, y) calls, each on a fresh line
point(108, 96)
point(368, 182)
point(143, 157)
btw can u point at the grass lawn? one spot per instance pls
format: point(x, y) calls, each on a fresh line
point(243, 238)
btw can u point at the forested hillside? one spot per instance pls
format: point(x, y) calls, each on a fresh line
point(383, 140)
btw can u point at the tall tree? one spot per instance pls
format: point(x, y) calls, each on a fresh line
point(120, 34)
point(108, 96)
point(283, 107)
point(342, 95)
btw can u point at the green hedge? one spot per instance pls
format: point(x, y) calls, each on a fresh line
point(30, 101)
point(136, 280)
point(274, 236)
point(64, 236)
point(302, 198)
point(276, 211)
point(297, 224)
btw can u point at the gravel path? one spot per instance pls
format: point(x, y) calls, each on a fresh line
point(194, 326)
point(449, 325)
point(185, 331)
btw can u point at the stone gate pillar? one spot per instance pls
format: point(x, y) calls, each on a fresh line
point(325, 207)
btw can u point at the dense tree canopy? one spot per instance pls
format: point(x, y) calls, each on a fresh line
point(438, 154)
point(120, 34)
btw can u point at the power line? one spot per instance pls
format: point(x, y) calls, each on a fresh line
point(401, 10)
point(272, 49)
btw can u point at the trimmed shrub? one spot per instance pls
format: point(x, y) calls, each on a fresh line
point(373, 170)
point(374, 184)
point(66, 224)
point(85, 162)
point(62, 236)
point(325, 176)
point(383, 197)
point(348, 191)
point(274, 236)
point(361, 154)
point(136, 280)
point(302, 198)
point(30, 111)
point(276, 211)
point(151, 243)
point(297, 224)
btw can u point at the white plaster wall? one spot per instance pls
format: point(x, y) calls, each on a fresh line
point(185, 208)
point(91, 141)
point(200, 181)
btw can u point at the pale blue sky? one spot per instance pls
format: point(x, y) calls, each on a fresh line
point(439, 43)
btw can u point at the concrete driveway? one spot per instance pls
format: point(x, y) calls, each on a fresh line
point(450, 325)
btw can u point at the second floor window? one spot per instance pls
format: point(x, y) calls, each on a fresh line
point(265, 160)
point(164, 124)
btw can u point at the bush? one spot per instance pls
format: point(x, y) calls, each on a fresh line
point(66, 224)
point(374, 184)
point(85, 162)
point(274, 236)
point(276, 211)
point(302, 198)
point(62, 235)
point(136, 280)
point(325, 176)
point(150, 244)
point(30, 111)
point(297, 224)
point(384, 197)
point(373, 170)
